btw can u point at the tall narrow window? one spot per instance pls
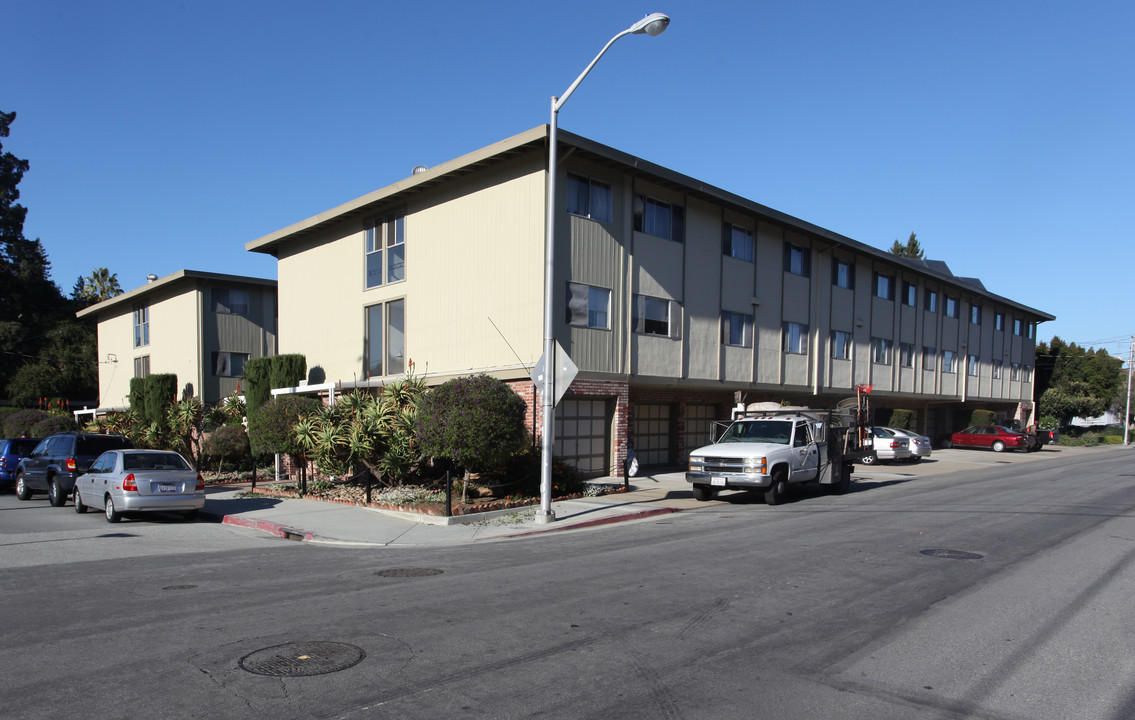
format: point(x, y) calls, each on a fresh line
point(884, 286)
point(588, 198)
point(843, 274)
point(909, 294)
point(841, 345)
point(881, 351)
point(737, 242)
point(795, 338)
point(385, 328)
point(951, 307)
point(929, 357)
point(999, 321)
point(386, 251)
point(1018, 326)
point(737, 329)
point(141, 326)
point(971, 365)
point(1015, 371)
point(797, 260)
point(906, 355)
point(142, 366)
point(949, 360)
point(975, 314)
point(995, 369)
point(930, 303)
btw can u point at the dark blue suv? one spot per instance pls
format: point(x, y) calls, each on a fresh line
point(10, 453)
point(57, 461)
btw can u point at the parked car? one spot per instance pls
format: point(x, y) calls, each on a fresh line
point(126, 481)
point(10, 453)
point(919, 444)
point(886, 446)
point(55, 463)
point(994, 437)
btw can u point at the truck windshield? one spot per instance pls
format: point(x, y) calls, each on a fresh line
point(762, 431)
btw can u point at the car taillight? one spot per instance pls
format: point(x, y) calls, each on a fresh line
point(200, 482)
point(71, 464)
point(128, 484)
point(895, 444)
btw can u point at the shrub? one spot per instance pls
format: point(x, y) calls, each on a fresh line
point(982, 417)
point(270, 426)
point(53, 424)
point(523, 470)
point(160, 392)
point(227, 441)
point(263, 374)
point(23, 422)
point(902, 419)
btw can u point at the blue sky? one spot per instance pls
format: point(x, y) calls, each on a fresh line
point(166, 135)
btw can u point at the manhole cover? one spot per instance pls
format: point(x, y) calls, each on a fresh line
point(409, 572)
point(952, 554)
point(302, 659)
point(179, 587)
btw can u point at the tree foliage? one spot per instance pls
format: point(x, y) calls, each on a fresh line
point(22, 422)
point(270, 427)
point(263, 374)
point(100, 285)
point(912, 248)
point(226, 441)
point(476, 422)
point(1071, 381)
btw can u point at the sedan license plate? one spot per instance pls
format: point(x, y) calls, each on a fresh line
point(167, 488)
point(717, 481)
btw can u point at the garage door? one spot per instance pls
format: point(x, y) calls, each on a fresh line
point(583, 436)
point(699, 426)
point(652, 434)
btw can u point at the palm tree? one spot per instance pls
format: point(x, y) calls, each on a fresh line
point(100, 285)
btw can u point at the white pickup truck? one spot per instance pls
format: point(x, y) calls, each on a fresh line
point(771, 450)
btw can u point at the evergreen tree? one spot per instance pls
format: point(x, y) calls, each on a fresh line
point(911, 250)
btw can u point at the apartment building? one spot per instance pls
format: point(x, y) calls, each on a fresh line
point(672, 297)
point(200, 326)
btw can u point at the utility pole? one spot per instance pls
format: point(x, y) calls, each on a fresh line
point(1127, 415)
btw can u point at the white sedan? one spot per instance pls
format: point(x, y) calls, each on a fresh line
point(125, 481)
point(886, 446)
point(919, 444)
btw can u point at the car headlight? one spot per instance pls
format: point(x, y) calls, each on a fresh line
point(755, 466)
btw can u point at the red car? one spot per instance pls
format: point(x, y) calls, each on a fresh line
point(990, 436)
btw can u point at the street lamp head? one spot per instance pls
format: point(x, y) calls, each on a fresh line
point(653, 24)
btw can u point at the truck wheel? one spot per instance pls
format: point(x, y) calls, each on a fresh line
point(998, 446)
point(702, 492)
point(779, 488)
point(22, 491)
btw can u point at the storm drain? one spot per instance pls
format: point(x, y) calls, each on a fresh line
point(409, 572)
point(302, 659)
point(952, 554)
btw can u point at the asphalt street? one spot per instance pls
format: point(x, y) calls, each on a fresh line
point(1000, 592)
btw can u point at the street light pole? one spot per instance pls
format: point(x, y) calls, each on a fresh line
point(652, 25)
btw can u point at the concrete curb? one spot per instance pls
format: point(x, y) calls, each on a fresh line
point(284, 531)
point(641, 515)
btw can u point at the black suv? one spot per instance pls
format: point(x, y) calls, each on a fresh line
point(55, 463)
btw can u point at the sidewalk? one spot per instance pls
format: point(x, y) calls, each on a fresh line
point(334, 523)
point(649, 496)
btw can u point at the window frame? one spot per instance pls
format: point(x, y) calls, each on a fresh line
point(950, 308)
point(929, 357)
point(972, 365)
point(645, 219)
point(974, 314)
point(883, 286)
point(792, 252)
point(949, 361)
point(379, 248)
point(592, 185)
point(728, 326)
point(846, 344)
point(747, 251)
point(224, 358)
point(222, 301)
point(587, 320)
point(999, 321)
point(930, 301)
point(388, 348)
point(849, 268)
point(881, 351)
point(141, 326)
point(906, 355)
point(1014, 372)
point(142, 366)
point(640, 316)
point(800, 346)
point(995, 369)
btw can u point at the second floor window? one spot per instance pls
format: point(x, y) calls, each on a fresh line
point(229, 364)
point(589, 306)
point(843, 274)
point(797, 260)
point(652, 316)
point(995, 369)
point(841, 345)
point(588, 198)
point(884, 286)
point(737, 329)
point(909, 294)
point(1018, 326)
point(795, 338)
point(930, 301)
point(660, 219)
point(975, 314)
point(951, 307)
point(1015, 371)
point(141, 326)
point(929, 357)
point(386, 251)
point(971, 365)
point(949, 361)
point(906, 355)
point(999, 321)
point(142, 366)
point(880, 351)
point(230, 301)
point(384, 347)
point(737, 242)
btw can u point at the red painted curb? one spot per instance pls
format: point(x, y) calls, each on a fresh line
point(268, 526)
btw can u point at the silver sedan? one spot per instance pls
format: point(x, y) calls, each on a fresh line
point(126, 481)
point(919, 444)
